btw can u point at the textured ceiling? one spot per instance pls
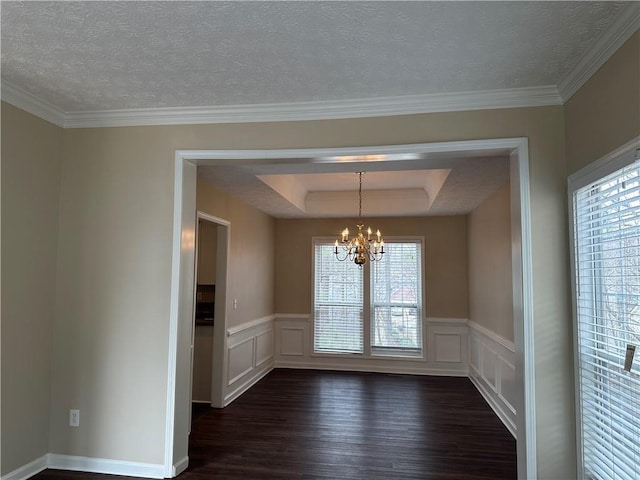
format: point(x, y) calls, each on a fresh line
point(88, 56)
point(112, 55)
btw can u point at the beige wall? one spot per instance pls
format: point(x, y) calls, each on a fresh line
point(490, 277)
point(445, 259)
point(111, 331)
point(207, 244)
point(31, 153)
point(605, 113)
point(116, 210)
point(251, 253)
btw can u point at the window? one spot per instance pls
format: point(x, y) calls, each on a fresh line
point(396, 299)
point(374, 310)
point(606, 252)
point(338, 310)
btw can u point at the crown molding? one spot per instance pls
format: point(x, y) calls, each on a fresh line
point(625, 25)
point(30, 103)
point(320, 110)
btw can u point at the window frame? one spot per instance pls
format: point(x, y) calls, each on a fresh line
point(380, 351)
point(368, 352)
point(611, 163)
point(328, 241)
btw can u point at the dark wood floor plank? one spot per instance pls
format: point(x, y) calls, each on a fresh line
point(302, 424)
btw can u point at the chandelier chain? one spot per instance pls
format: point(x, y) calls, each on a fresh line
point(360, 198)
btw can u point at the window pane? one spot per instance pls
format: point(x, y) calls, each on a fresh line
point(396, 300)
point(338, 303)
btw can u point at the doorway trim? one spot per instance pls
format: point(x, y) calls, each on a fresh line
point(218, 369)
point(186, 162)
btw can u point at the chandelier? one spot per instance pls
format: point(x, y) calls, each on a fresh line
point(362, 247)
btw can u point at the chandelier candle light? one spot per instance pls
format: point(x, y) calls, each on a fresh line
point(360, 248)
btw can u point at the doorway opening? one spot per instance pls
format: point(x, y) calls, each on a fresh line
point(429, 155)
point(211, 252)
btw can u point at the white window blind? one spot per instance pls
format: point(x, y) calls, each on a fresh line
point(606, 233)
point(396, 291)
point(338, 303)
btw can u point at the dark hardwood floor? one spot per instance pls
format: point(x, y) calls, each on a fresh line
point(303, 424)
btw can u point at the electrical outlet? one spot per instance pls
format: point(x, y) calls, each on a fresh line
point(74, 418)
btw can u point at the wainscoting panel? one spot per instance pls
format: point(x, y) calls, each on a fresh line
point(250, 349)
point(492, 370)
point(446, 350)
point(240, 360)
point(448, 346)
point(264, 348)
point(489, 366)
point(292, 341)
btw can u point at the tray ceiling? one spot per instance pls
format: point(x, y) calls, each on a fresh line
point(390, 188)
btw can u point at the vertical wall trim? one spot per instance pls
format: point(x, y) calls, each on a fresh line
point(522, 275)
point(181, 316)
point(173, 316)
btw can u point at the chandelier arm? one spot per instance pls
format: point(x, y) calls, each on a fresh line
point(360, 248)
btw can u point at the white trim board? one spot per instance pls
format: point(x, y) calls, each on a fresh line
point(105, 465)
point(492, 371)
point(250, 324)
point(508, 344)
point(625, 25)
point(30, 103)
point(86, 464)
point(618, 158)
point(368, 368)
point(493, 404)
point(280, 112)
point(27, 471)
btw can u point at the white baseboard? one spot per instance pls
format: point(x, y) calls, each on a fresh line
point(28, 470)
point(87, 464)
point(495, 406)
point(246, 384)
point(372, 368)
point(180, 467)
point(492, 371)
point(105, 465)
